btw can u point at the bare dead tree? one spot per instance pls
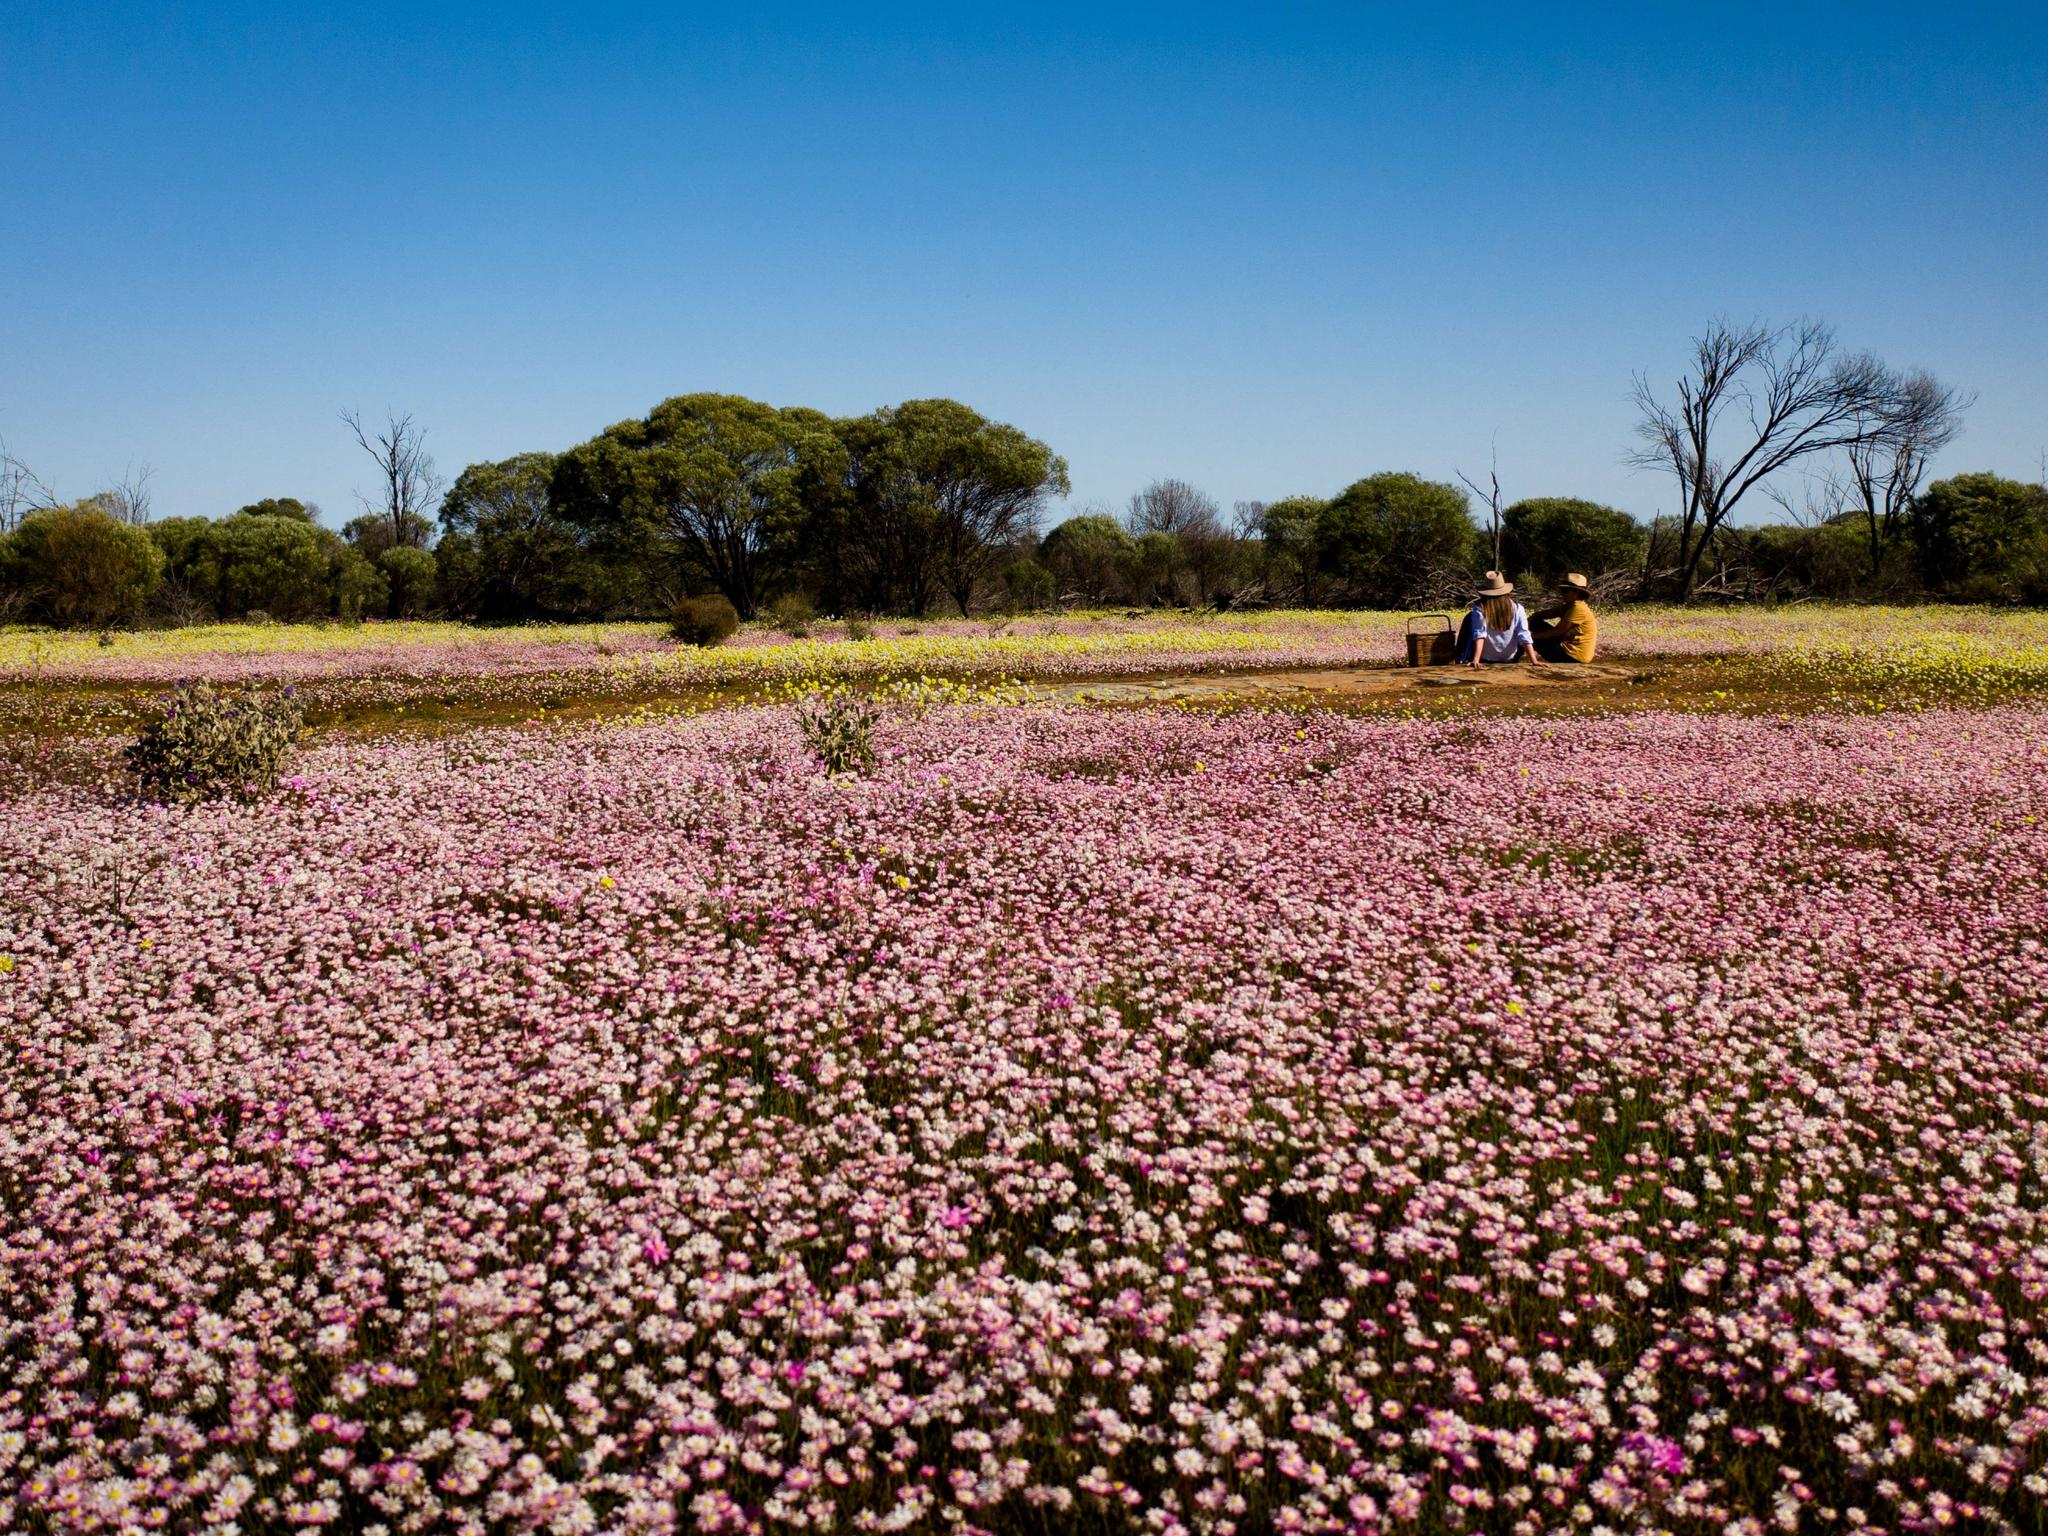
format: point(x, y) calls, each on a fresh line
point(1756, 401)
point(410, 485)
point(1825, 497)
point(1191, 516)
point(1176, 507)
point(22, 491)
point(1916, 419)
point(128, 499)
point(1491, 496)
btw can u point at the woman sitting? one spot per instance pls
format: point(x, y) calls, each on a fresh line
point(1497, 628)
point(1567, 630)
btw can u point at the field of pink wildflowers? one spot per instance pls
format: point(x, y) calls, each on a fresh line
point(1089, 1121)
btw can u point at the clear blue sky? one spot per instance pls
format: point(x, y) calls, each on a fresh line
point(1266, 249)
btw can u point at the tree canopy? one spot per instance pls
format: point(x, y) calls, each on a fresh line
point(1983, 536)
point(712, 479)
point(1388, 537)
point(80, 566)
point(1546, 536)
point(1090, 556)
point(510, 554)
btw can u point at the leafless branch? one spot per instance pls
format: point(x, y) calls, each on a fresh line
point(1176, 507)
point(129, 498)
point(1491, 496)
point(1795, 394)
point(410, 485)
point(1911, 418)
point(22, 491)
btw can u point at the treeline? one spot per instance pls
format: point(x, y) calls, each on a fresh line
point(929, 507)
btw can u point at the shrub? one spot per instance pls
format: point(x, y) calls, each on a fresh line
point(1288, 529)
point(1158, 568)
point(79, 568)
point(1549, 535)
point(860, 627)
point(1983, 537)
point(211, 743)
point(358, 586)
point(288, 507)
point(1830, 561)
point(263, 562)
point(1390, 536)
point(1028, 585)
point(411, 573)
point(792, 614)
point(703, 620)
point(1092, 555)
point(840, 730)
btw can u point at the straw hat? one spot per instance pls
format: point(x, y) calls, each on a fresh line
point(1496, 585)
point(1572, 581)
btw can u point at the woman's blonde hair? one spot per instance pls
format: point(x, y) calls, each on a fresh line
point(1499, 611)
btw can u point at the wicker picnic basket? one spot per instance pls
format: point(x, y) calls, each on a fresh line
point(1432, 647)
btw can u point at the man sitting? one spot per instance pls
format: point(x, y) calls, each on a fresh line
point(1567, 630)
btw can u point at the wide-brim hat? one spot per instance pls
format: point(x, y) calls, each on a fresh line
point(1495, 585)
point(1572, 581)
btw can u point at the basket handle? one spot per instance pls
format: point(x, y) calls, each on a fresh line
point(1444, 616)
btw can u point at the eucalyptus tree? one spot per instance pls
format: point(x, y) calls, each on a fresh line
point(713, 481)
point(934, 496)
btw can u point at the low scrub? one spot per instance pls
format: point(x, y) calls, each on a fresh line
point(793, 614)
point(840, 730)
point(214, 743)
point(703, 620)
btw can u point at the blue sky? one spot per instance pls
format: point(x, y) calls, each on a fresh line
point(1267, 250)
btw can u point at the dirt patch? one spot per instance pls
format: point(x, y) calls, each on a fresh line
point(1315, 685)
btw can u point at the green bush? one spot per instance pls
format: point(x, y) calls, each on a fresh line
point(211, 743)
point(411, 574)
point(1093, 556)
point(508, 553)
point(1391, 536)
point(267, 562)
point(841, 732)
point(458, 576)
point(1982, 537)
point(78, 567)
point(1159, 569)
point(1829, 561)
point(792, 613)
point(859, 627)
point(1287, 529)
point(1028, 586)
point(288, 507)
point(703, 620)
point(1549, 535)
point(358, 587)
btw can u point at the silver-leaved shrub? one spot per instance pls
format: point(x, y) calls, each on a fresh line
point(216, 743)
point(840, 730)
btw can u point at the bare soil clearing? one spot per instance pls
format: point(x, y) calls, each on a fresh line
point(1332, 684)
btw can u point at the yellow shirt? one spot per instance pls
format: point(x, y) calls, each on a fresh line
point(1574, 629)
